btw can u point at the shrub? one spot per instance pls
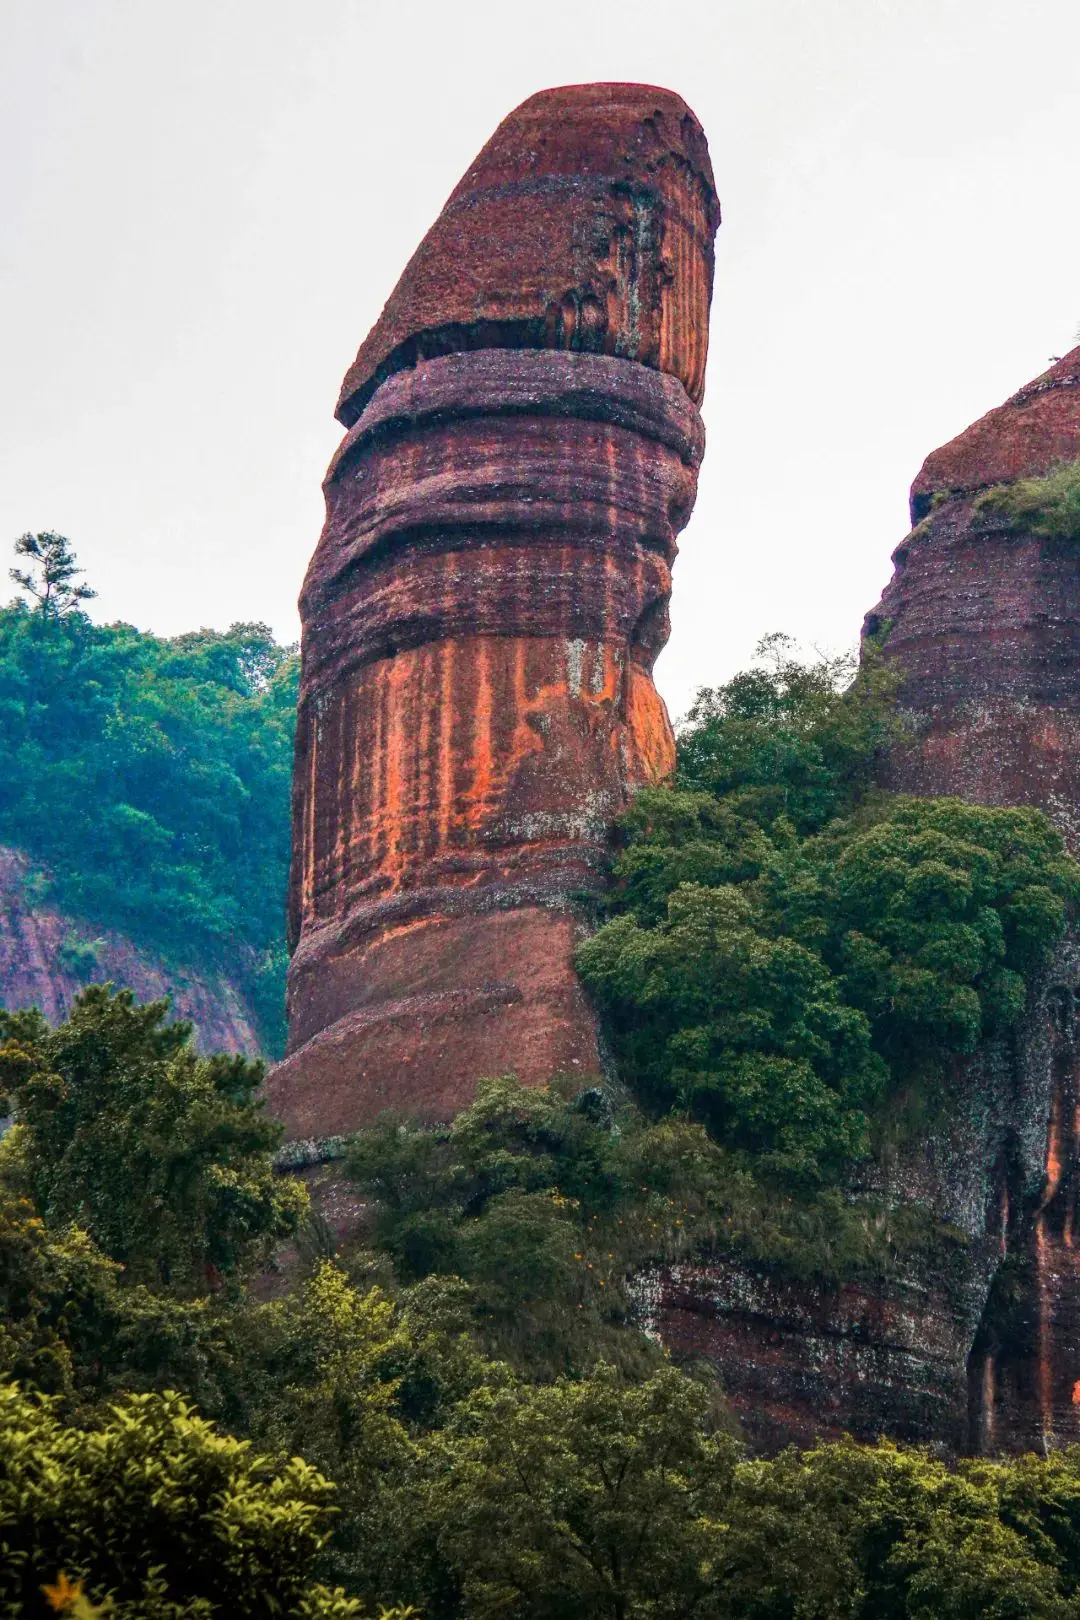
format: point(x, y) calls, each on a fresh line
point(163, 1157)
point(1048, 507)
point(777, 974)
point(156, 1511)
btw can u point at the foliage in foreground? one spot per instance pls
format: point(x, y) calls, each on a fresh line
point(593, 1494)
point(154, 1509)
point(620, 1502)
point(789, 950)
point(433, 1474)
point(150, 778)
point(163, 1157)
point(483, 1432)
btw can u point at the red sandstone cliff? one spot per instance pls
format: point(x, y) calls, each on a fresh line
point(983, 617)
point(484, 607)
point(977, 1349)
point(46, 958)
point(480, 622)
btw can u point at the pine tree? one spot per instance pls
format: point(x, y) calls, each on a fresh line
point(49, 581)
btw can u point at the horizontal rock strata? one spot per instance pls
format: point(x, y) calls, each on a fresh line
point(982, 621)
point(983, 617)
point(586, 223)
point(975, 1347)
point(482, 613)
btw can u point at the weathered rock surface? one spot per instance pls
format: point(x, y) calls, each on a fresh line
point(46, 958)
point(586, 223)
point(975, 1347)
point(983, 618)
point(902, 1355)
point(484, 607)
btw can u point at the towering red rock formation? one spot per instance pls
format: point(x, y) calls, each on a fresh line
point(484, 607)
point(983, 616)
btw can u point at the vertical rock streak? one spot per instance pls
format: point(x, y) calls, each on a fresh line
point(483, 610)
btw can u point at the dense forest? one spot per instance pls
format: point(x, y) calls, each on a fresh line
point(148, 777)
point(213, 1406)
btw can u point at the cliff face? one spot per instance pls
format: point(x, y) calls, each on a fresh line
point(46, 959)
point(976, 1346)
point(484, 607)
point(983, 617)
point(586, 223)
point(480, 621)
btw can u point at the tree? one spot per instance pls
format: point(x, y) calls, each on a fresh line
point(157, 1511)
point(789, 738)
point(52, 571)
point(150, 779)
point(850, 1532)
point(583, 1497)
point(162, 1156)
point(789, 948)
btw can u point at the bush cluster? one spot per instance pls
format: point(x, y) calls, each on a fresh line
point(786, 948)
point(1048, 507)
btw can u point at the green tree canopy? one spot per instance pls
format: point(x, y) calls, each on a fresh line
point(162, 1156)
point(155, 1511)
point(150, 778)
point(787, 947)
point(50, 575)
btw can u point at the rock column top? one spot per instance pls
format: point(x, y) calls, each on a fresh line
point(982, 616)
point(1034, 431)
point(585, 223)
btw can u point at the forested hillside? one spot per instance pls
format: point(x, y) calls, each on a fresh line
point(149, 777)
point(217, 1404)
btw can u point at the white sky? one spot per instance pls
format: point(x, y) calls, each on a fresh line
point(203, 206)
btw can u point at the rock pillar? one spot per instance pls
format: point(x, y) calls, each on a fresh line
point(484, 607)
point(982, 619)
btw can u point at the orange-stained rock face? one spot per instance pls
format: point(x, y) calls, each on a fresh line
point(484, 607)
point(586, 223)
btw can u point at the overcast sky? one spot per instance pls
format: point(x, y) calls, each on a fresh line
point(204, 205)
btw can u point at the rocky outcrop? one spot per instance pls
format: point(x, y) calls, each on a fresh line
point(586, 223)
point(983, 617)
point(902, 1354)
point(484, 607)
point(46, 958)
point(974, 1346)
point(480, 621)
